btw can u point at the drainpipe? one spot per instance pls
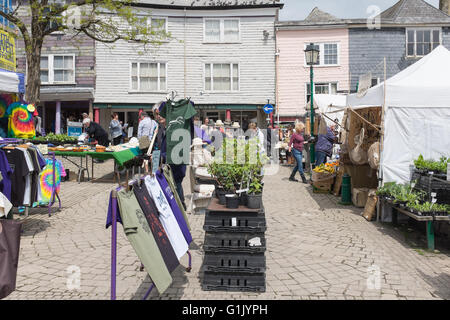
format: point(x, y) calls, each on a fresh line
point(185, 66)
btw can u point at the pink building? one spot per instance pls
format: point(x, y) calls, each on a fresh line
point(331, 76)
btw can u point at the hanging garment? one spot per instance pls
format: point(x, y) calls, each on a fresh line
point(6, 171)
point(10, 231)
point(141, 238)
point(20, 123)
point(109, 216)
point(5, 101)
point(169, 177)
point(46, 181)
point(28, 179)
point(174, 206)
point(20, 171)
point(167, 217)
point(178, 116)
point(5, 205)
point(35, 175)
point(151, 213)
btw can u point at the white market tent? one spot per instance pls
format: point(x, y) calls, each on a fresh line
point(331, 105)
point(11, 82)
point(417, 114)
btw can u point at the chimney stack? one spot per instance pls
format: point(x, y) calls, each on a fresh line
point(444, 5)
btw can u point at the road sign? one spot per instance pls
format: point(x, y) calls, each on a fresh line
point(268, 108)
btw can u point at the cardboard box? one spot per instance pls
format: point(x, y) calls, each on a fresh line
point(359, 197)
point(371, 205)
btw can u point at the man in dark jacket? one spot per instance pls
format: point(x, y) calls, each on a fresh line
point(324, 146)
point(95, 131)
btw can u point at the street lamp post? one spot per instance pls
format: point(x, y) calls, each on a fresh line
point(312, 57)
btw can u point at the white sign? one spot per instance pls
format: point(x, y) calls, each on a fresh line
point(448, 171)
point(233, 222)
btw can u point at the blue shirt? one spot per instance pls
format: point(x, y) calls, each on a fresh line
point(147, 127)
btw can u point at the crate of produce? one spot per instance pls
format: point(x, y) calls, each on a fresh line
point(232, 262)
point(250, 243)
point(244, 282)
point(234, 222)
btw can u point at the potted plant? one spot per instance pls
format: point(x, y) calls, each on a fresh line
point(254, 196)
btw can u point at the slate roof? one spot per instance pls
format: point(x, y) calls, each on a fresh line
point(404, 12)
point(412, 12)
point(197, 4)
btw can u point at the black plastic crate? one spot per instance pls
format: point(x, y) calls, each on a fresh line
point(232, 262)
point(244, 282)
point(235, 222)
point(425, 182)
point(233, 242)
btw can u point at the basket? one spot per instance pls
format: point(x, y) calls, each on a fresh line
point(245, 282)
point(233, 243)
point(229, 262)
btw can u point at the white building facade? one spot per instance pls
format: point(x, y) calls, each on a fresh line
point(221, 56)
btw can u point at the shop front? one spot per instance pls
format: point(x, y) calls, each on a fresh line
point(60, 105)
point(129, 114)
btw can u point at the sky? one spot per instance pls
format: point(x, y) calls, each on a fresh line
point(299, 9)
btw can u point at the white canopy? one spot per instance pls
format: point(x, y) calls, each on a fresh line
point(332, 105)
point(11, 82)
point(417, 114)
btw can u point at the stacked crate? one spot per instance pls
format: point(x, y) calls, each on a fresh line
point(234, 249)
point(439, 187)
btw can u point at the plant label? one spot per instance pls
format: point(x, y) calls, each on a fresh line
point(433, 194)
point(448, 171)
point(233, 222)
point(433, 201)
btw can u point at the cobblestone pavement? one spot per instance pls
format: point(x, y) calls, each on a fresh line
point(317, 249)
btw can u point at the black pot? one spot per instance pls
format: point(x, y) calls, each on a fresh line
point(232, 201)
point(254, 201)
point(219, 191)
point(243, 200)
point(222, 198)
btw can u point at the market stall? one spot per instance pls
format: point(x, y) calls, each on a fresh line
point(414, 130)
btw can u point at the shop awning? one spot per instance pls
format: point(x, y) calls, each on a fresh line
point(55, 93)
point(12, 82)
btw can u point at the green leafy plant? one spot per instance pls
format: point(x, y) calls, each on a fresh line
point(431, 165)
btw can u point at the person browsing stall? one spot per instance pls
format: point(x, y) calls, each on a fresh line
point(324, 146)
point(95, 131)
point(146, 126)
point(115, 129)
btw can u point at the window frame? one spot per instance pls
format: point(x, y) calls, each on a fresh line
point(51, 70)
point(231, 77)
point(222, 29)
point(320, 83)
point(322, 54)
point(149, 21)
point(431, 29)
point(138, 90)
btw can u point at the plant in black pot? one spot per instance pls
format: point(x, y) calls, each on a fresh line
point(254, 197)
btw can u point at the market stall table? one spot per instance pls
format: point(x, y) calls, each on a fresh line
point(120, 157)
point(428, 219)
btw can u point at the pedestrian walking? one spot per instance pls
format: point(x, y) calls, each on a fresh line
point(296, 147)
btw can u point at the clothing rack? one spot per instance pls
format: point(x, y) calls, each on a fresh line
point(54, 194)
point(114, 247)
